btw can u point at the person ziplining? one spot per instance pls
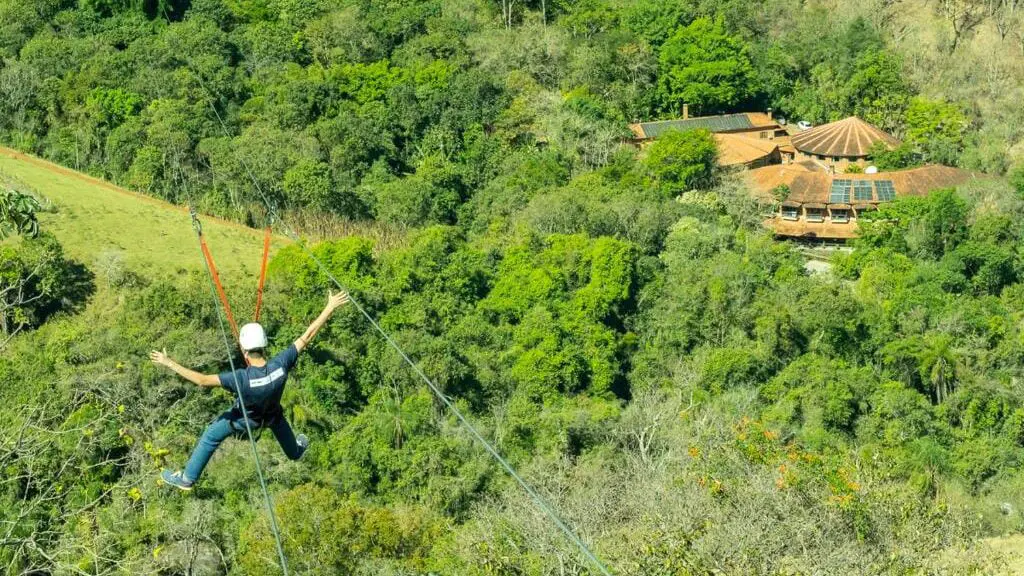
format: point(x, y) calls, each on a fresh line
point(258, 387)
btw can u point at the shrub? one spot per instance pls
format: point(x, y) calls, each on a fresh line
point(680, 161)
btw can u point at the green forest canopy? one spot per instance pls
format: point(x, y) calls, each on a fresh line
point(671, 377)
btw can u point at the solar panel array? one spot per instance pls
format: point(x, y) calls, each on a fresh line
point(862, 190)
point(885, 190)
point(722, 123)
point(840, 193)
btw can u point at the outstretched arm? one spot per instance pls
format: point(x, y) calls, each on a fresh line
point(334, 301)
point(205, 380)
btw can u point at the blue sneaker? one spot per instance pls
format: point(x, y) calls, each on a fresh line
point(176, 479)
point(303, 441)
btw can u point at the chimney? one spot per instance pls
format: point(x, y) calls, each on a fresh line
point(770, 115)
point(686, 111)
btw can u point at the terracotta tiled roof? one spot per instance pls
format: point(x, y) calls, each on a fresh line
point(815, 187)
point(734, 149)
point(763, 180)
point(760, 119)
point(848, 138)
point(809, 187)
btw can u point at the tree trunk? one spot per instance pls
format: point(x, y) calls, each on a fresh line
point(964, 16)
point(506, 13)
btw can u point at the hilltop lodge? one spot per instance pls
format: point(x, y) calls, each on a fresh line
point(825, 195)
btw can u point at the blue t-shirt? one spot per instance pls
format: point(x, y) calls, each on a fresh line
point(261, 387)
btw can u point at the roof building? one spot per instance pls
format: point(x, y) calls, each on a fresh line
point(743, 122)
point(825, 205)
point(743, 138)
point(736, 150)
point(765, 180)
point(820, 201)
point(840, 143)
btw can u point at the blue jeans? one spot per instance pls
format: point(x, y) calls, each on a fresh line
point(224, 427)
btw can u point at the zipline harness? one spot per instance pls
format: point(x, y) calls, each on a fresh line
point(212, 267)
point(538, 500)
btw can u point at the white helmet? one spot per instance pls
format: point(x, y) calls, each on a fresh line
point(252, 337)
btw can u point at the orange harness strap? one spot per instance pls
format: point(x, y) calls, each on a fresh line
point(220, 287)
point(263, 273)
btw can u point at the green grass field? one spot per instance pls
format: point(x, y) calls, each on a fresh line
point(94, 218)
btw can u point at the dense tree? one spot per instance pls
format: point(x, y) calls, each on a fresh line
point(704, 66)
point(898, 157)
point(37, 281)
point(309, 183)
point(332, 535)
point(877, 90)
point(615, 321)
point(963, 17)
point(936, 129)
point(682, 160)
point(847, 70)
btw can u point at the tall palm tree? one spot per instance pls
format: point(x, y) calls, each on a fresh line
point(938, 364)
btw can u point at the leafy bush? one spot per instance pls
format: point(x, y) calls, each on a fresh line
point(37, 281)
point(704, 66)
point(680, 161)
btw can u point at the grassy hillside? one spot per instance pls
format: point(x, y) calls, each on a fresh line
point(96, 220)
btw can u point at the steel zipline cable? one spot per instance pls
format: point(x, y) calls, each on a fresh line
point(268, 501)
point(530, 491)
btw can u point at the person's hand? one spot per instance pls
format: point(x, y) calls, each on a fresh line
point(160, 357)
point(335, 301)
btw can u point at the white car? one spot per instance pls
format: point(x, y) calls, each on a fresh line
point(803, 125)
